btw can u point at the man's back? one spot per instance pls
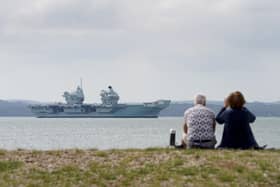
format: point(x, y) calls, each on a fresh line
point(200, 122)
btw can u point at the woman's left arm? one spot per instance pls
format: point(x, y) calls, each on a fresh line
point(220, 118)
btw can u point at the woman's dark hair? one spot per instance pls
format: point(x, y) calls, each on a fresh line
point(236, 100)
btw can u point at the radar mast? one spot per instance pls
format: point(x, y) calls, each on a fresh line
point(81, 83)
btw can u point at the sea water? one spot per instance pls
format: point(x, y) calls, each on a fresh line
point(50, 134)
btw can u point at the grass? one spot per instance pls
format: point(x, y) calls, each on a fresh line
point(6, 166)
point(134, 167)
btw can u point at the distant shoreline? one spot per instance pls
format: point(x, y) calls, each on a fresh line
point(176, 109)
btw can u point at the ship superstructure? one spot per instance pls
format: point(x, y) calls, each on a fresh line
point(109, 108)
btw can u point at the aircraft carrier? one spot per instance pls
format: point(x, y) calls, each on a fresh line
point(74, 107)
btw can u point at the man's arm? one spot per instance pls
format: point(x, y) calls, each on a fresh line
point(185, 128)
point(214, 124)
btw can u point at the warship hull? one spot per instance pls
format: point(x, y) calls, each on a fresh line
point(145, 110)
point(109, 108)
point(96, 116)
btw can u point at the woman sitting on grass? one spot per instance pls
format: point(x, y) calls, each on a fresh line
point(237, 131)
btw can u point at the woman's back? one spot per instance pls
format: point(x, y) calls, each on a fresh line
point(237, 131)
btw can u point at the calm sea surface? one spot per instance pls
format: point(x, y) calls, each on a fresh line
point(49, 134)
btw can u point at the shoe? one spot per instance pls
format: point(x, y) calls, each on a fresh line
point(179, 146)
point(261, 147)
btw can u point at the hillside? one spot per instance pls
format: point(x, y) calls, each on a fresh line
point(258, 108)
point(14, 108)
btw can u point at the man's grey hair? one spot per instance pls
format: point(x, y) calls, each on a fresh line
point(200, 99)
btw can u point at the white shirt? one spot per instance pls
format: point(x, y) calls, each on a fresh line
point(200, 121)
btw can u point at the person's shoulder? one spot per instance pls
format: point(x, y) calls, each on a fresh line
point(229, 111)
point(188, 110)
point(244, 109)
point(209, 110)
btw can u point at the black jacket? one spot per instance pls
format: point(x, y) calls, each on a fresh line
point(237, 131)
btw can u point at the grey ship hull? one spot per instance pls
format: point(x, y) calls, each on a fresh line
point(145, 110)
point(96, 116)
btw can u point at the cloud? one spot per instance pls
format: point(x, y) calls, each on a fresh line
point(204, 39)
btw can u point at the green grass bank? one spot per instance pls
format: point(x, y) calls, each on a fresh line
point(134, 167)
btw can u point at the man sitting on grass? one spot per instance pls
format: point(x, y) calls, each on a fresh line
point(199, 126)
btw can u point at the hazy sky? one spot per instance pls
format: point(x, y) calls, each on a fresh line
point(145, 49)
